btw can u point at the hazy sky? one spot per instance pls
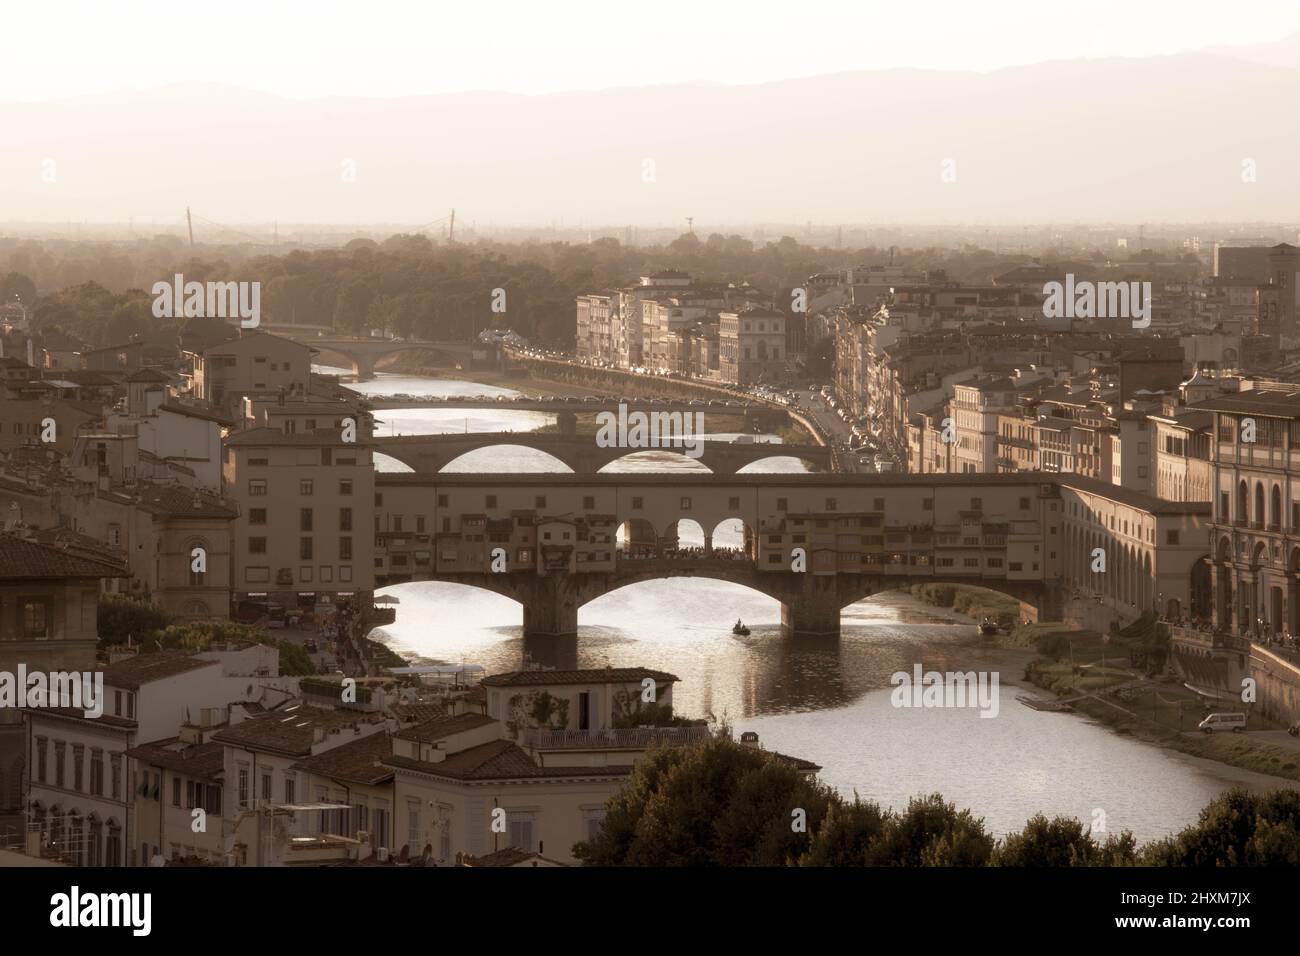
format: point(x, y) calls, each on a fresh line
point(56, 48)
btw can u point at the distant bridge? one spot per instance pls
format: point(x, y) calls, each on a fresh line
point(429, 454)
point(361, 354)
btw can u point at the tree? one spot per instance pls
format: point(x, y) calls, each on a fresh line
point(1236, 829)
point(1063, 841)
point(933, 832)
point(715, 804)
point(851, 835)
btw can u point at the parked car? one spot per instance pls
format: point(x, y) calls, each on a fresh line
point(1234, 722)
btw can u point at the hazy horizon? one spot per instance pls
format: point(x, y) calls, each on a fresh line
point(1116, 131)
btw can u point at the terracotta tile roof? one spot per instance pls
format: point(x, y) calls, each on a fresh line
point(498, 760)
point(134, 672)
point(179, 501)
point(198, 760)
point(442, 727)
point(611, 675)
point(73, 713)
point(20, 558)
point(289, 730)
point(357, 761)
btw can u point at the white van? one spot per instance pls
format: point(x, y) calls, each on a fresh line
point(1234, 722)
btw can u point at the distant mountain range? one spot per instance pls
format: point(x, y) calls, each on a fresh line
point(1110, 140)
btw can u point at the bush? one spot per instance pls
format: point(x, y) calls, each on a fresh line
point(1053, 644)
point(121, 616)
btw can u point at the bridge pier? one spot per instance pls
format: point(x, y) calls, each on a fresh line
point(550, 609)
point(813, 610)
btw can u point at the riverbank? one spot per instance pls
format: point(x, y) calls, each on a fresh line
point(1101, 677)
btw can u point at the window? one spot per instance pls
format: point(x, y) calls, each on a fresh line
point(78, 766)
point(266, 785)
point(257, 516)
point(637, 504)
point(588, 502)
point(413, 826)
point(830, 504)
point(1171, 536)
point(733, 504)
point(491, 501)
point(539, 501)
point(288, 789)
point(176, 791)
point(306, 486)
point(304, 519)
point(116, 773)
point(42, 746)
point(878, 504)
point(685, 504)
point(442, 501)
point(256, 487)
point(243, 786)
point(60, 761)
point(97, 772)
point(327, 456)
point(1024, 504)
point(927, 504)
point(35, 618)
point(257, 546)
point(782, 504)
point(521, 830)
point(345, 549)
point(345, 486)
point(345, 519)
point(304, 549)
point(977, 504)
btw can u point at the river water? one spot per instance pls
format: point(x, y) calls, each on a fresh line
point(826, 700)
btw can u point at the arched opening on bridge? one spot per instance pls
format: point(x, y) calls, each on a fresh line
point(505, 459)
point(636, 538)
point(654, 459)
point(685, 537)
point(483, 619)
point(680, 609)
point(732, 537)
point(330, 362)
point(778, 465)
point(390, 465)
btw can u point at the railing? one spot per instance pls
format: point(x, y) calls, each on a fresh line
point(1216, 639)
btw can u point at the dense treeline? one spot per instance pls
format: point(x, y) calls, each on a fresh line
point(725, 804)
point(97, 293)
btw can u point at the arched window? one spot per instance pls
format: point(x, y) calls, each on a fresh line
point(1258, 516)
point(1242, 495)
point(1275, 511)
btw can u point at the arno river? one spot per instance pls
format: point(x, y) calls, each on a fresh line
point(824, 700)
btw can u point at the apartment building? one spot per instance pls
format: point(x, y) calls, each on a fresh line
point(1255, 549)
point(976, 408)
point(752, 346)
point(305, 502)
point(256, 362)
point(1184, 471)
point(49, 600)
point(83, 785)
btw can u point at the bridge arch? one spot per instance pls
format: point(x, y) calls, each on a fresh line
point(780, 464)
point(659, 459)
point(533, 460)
